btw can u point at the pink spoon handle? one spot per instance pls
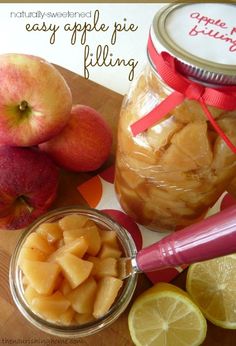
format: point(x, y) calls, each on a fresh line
point(209, 238)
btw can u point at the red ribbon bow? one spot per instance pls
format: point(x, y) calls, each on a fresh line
point(223, 98)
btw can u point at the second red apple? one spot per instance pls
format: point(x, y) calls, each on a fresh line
point(85, 142)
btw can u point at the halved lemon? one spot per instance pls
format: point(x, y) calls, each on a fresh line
point(164, 315)
point(212, 286)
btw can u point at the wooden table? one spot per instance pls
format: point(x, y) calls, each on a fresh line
point(14, 328)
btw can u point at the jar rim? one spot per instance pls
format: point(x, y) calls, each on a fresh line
point(187, 63)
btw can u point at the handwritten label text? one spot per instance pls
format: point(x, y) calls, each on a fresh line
point(214, 28)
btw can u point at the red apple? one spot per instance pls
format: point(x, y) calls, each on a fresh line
point(35, 100)
point(85, 142)
point(28, 185)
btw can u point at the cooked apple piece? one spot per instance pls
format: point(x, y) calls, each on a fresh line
point(103, 267)
point(109, 237)
point(72, 235)
point(36, 241)
point(75, 269)
point(59, 243)
point(223, 156)
point(108, 288)
point(51, 231)
point(94, 241)
point(65, 287)
point(227, 124)
point(30, 293)
point(77, 247)
point(90, 234)
point(193, 141)
point(42, 276)
point(159, 135)
point(66, 317)
point(174, 159)
point(51, 307)
point(58, 282)
point(189, 111)
point(31, 254)
point(82, 298)
point(109, 251)
point(83, 318)
point(73, 221)
point(90, 223)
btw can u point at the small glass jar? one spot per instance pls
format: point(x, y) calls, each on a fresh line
point(16, 276)
point(170, 174)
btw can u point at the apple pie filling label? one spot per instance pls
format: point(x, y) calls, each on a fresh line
point(205, 30)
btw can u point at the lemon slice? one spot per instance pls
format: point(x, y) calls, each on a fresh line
point(212, 285)
point(164, 315)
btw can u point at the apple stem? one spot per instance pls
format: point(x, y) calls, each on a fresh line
point(23, 200)
point(23, 106)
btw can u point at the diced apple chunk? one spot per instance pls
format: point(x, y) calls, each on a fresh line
point(51, 307)
point(109, 237)
point(42, 276)
point(90, 223)
point(91, 235)
point(30, 293)
point(51, 231)
point(70, 270)
point(174, 159)
point(73, 221)
point(59, 243)
point(193, 141)
point(109, 251)
point(82, 298)
point(159, 135)
point(83, 318)
point(103, 267)
point(36, 241)
point(58, 282)
point(65, 287)
point(72, 235)
point(75, 269)
point(67, 317)
point(31, 254)
point(77, 247)
point(108, 288)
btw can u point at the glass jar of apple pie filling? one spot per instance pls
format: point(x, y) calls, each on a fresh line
point(41, 245)
point(176, 150)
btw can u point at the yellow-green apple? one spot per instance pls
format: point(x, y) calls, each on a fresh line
point(28, 185)
point(84, 143)
point(35, 100)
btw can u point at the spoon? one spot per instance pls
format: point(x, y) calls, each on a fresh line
point(212, 237)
